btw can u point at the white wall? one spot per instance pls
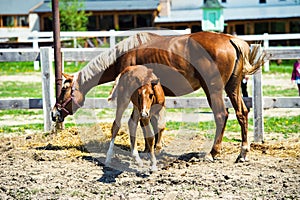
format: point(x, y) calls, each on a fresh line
point(248, 3)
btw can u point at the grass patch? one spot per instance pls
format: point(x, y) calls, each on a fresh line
point(20, 89)
point(17, 112)
point(12, 68)
point(275, 91)
point(284, 125)
point(17, 68)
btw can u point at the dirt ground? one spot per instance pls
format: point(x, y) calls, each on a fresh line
point(69, 165)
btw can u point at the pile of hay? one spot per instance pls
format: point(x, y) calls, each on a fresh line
point(284, 148)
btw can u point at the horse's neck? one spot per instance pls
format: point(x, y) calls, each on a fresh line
point(86, 81)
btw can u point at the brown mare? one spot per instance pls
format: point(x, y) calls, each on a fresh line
point(213, 61)
point(139, 85)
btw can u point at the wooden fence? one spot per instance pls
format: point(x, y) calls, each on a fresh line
point(45, 56)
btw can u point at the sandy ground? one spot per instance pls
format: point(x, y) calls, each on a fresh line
point(70, 165)
point(57, 166)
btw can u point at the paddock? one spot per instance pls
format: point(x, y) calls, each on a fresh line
point(69, 164)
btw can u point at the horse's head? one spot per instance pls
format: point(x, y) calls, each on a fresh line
point(69, 101)
point(146, 98)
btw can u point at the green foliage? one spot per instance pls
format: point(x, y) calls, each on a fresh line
point(72, 15)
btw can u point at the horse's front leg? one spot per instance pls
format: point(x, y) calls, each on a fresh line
point(132, 124)
point(150, 142)
point(121, 106)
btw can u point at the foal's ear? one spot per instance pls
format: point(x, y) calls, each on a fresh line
point(154, 82)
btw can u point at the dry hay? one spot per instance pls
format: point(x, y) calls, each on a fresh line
point(284, 148)
point(74, 139)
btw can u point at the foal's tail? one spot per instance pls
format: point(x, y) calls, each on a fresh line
point(252, 60)
point(114, 92)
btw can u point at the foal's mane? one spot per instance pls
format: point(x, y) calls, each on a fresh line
point(142, 79)
point(107, 58)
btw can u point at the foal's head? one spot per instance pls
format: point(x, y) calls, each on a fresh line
point(146, 97)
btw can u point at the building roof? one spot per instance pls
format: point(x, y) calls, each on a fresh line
point(236, 13)
point(17, 7)
point(111, 5)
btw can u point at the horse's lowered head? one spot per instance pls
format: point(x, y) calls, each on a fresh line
point(70, 99)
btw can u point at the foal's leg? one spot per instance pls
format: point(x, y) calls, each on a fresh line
point(158, 123)
point(242, 117)
point(132, 124)
point(121, 106)
point(145, 123)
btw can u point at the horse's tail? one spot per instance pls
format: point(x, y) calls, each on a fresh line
point(252, 60)
point(114, 92)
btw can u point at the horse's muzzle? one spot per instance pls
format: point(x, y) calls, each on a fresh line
point(57, 116)
point(144, 114)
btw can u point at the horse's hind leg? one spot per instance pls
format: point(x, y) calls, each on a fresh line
point(242, 117)
point(216, 102)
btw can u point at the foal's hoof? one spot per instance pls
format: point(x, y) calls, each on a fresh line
point(153, 169)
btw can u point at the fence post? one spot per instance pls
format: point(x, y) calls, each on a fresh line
point(47, 85)
point(35, 46)
point(112, 39)
point(257, 102)
point(266, 46)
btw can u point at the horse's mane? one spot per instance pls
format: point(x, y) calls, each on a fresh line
point(107, 58)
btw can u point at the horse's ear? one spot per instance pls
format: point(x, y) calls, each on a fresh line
point(158, 92)
point(67, 76)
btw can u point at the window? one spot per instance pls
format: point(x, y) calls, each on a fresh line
point(277, 27)
point(8, 21)
point(261, 27)
point(295, 26)
point(144, 20)
point(212, 17)
point(106, 22)
point(262, 1)
point(126, 22)
point(15, 21)
point(22, 21)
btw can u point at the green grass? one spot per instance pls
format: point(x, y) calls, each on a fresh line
point(18, 112)
point(284, 125)
point(20, 89)
point(17, 68)
point(274, 91)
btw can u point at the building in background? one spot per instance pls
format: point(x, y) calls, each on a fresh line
point(109, 14)
point(241, 17)
point(17, 15)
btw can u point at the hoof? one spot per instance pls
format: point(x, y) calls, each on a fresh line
point(209, 158)
point(153, 169)
point(241, 159)
point(139, 162)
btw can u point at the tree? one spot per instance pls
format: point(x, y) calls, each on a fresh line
point(72, 15)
